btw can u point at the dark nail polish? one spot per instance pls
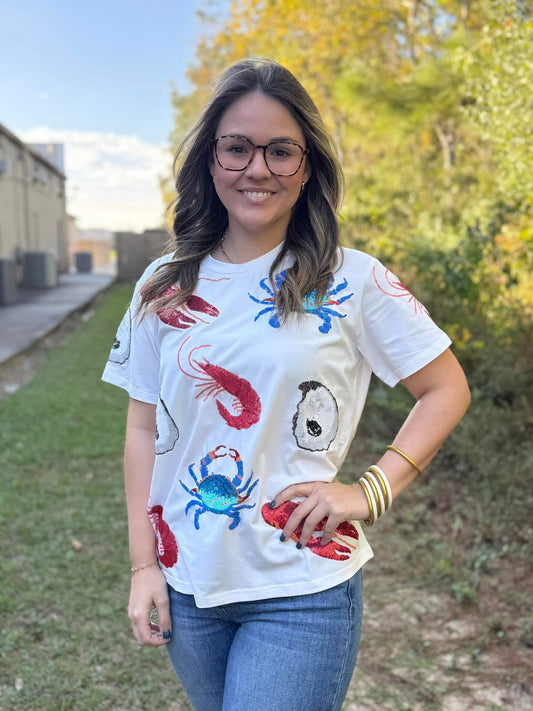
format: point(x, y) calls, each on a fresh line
point(273, 504)
point(298, 545)
point(283, 537)
point(166, 634)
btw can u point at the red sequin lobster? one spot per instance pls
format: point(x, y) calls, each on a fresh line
point(337, 549)
point(183, 316)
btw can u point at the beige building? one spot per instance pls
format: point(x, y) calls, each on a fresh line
point(32, 202)
point(99, 243)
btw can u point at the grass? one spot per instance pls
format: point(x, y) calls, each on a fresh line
point(66, 642)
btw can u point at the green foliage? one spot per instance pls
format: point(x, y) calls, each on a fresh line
point(498, 70)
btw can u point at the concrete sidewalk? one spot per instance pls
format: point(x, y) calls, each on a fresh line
point(39, 311)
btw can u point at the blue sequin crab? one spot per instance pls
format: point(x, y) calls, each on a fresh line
point(218, 493)
point(321, 309)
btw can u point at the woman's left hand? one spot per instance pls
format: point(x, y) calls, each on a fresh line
point(334, 501)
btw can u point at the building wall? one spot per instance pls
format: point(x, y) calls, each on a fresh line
point(101, 252)
point(14, 190)
point(32, 203)
point(100, 243)
point(53, 152)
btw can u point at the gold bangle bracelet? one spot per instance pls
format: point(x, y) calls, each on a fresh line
point(378, 471)
point(381, 484)
point(376, 494)
point(372, 517)
point(404, 455)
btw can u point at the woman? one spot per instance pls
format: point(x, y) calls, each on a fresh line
point(247, 354)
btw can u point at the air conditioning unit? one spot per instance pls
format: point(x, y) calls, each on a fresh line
point(8, 282)
point(39, 270)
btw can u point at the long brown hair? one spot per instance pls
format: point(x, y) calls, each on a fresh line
point(200, 219)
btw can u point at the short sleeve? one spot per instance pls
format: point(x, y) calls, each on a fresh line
point(398, 336)
point(133, 362)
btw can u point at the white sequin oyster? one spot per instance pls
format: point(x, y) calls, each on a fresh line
point(316, 419)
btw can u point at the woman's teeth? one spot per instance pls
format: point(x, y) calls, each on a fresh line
point(255, 194)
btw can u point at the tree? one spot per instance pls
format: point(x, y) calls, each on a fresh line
point(498, 69)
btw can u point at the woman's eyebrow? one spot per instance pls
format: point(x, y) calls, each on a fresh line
point(283, 138)
point(272, 140)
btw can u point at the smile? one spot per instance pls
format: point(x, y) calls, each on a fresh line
point(256, 194)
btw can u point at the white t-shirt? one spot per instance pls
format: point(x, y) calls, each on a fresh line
point(246, 407)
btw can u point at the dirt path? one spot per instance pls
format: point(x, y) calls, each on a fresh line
point(428, 645)
point(422, 651)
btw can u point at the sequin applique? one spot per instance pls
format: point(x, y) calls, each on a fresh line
point(243, 404)
point(167, 547)
point(218, 493)
point(120, 351)
point(337, 549)
point(187, 314)
point(167, 432)
point(391, 286)
point(316, 420)
point(322, 309)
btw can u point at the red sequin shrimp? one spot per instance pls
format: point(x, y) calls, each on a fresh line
point(214, 380)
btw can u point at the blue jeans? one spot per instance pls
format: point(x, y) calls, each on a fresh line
point(292, 653)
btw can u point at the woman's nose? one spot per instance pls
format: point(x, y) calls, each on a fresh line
point(257, 165)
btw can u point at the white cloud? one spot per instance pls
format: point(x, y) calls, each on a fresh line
point(112, 179)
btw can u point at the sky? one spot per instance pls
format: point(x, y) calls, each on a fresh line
point(97, 77)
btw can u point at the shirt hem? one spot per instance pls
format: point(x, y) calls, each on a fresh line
point(427, 356)
point(306, 587)
point(132, 391)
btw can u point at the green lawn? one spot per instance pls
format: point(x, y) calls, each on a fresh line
point(66, 642)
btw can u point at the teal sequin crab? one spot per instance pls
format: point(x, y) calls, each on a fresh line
point(322, 309)
point(218, 493)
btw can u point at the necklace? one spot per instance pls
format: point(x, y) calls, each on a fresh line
point(221, 245)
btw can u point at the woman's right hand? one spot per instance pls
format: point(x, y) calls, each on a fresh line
point(148, 591)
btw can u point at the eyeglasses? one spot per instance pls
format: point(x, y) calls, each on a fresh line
point(237, 152)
